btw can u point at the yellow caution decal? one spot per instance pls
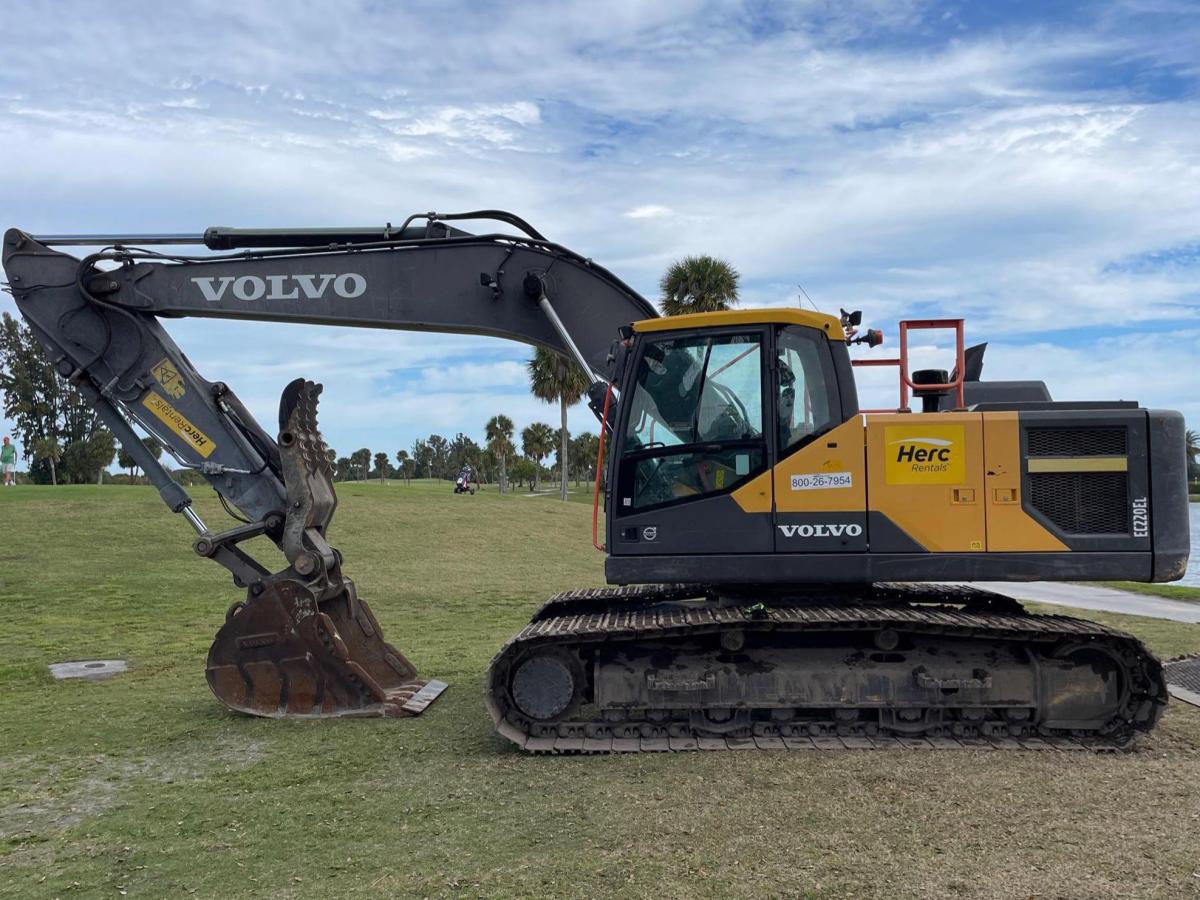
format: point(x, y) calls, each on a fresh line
point(168, 376)
point(178, 423)
point(925, 454)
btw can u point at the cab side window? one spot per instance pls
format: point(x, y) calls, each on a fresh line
point(807, 393)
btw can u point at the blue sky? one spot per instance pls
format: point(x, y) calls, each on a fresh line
point(1034, 167)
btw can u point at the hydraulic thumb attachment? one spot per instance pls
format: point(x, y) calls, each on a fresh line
point(302, 643)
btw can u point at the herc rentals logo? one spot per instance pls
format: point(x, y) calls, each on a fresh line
point(928, 454)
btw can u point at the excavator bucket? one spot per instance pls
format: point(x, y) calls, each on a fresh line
point(303, 643)
point(285, 653)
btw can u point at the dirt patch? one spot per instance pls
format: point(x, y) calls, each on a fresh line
point(70, 792)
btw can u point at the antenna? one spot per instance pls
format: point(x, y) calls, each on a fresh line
point(806, 297)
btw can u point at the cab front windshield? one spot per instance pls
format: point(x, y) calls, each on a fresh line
point(690, 391)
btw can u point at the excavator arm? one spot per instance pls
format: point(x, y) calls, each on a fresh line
point(302, 642)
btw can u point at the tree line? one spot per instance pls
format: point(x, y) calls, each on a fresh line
point(61, 434)
point(496, 461)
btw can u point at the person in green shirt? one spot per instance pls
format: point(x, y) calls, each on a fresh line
point(8, 463)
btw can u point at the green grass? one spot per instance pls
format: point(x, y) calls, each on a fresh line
point(1170, 591)
point(146, 785)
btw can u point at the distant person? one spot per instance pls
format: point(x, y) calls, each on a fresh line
point(8, 462)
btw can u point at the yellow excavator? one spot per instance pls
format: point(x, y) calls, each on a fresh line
point(783, 563)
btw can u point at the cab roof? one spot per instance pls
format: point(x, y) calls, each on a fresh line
point(831, 326)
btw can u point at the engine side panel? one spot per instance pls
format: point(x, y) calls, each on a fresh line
point(925, 473)
point(1009, 526)
point(1085, 477)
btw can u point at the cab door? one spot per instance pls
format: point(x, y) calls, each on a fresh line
point(820, 480)
point(692, 434)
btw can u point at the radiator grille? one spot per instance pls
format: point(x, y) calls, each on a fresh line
point(1082, 502)
point(1076, 441)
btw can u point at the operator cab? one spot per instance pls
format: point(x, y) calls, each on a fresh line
point(714, 401)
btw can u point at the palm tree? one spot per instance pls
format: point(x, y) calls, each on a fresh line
point(381, 466)
point(125, 461)
point(49, 449)
point(1192, 438)
point(698, 284)
point(537, 441)
point(583, 452)
point(361, 460)
point(499, 433)
point(554, 378)
point(402, 464)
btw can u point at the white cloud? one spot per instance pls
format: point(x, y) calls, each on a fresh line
point(185, 103)
point(649, 211)
point(453, 123)
point(979, 174)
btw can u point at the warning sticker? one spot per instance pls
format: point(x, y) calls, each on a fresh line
point(168, 376)
point(178, 423)
point(820, 480)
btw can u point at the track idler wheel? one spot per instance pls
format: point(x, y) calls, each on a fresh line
point(547, 686)
point(284, 653)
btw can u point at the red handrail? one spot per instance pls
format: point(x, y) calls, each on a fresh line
point(901, 363)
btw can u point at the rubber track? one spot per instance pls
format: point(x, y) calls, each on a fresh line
point(583, 600)
point(598, 614)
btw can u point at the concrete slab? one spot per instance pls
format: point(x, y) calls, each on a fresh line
point(1183, 679)
point(1088, 596)
point(91, 669)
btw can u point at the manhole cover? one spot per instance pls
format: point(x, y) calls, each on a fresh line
point(1183, 679)
point(92, 669)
